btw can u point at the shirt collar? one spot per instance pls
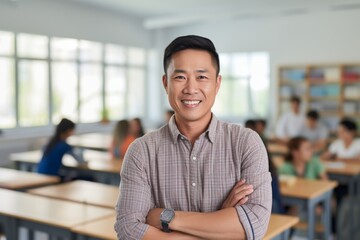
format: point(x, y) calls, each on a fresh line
point(210, 131)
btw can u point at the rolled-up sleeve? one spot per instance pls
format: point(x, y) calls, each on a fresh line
point(134, 201)
point(255, 214)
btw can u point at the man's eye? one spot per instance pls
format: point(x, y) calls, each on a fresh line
point(179, 77)
point(202, 77)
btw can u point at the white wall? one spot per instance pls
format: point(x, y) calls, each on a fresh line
point(64, 18)
point(317, 37)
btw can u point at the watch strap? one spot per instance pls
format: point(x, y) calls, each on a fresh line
point(165, 226)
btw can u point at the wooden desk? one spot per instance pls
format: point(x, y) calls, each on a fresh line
point(99, 229)
point(19, 180)
point(100, 165)
point(280, 225)
point(93, 141)
point(307, 194)
point(55, 217)
point(277, 149)
point(97, 194)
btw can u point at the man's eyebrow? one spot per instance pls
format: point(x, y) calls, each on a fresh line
point(202, 70)
point(179, 71)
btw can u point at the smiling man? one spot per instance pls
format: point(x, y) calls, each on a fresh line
point(196, 177)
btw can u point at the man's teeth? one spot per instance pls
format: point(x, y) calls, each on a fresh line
point(191, 102)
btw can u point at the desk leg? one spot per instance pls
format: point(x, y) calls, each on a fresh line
point(11, 230)
point(311, 219)
point(327, 215)
point(285, 235)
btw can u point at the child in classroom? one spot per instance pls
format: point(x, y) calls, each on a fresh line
point(300, 161)
point(122, 138)
point(346, 147)
point(56, 148)
point(136, 128)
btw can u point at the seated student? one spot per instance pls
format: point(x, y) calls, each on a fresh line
point(260, 127)
point(347, 146)
point(250, 123)
point(300, 161)
point(51, 160)
point(315, 131)
point(136, 128)
point(121, 140)
point(290, 123)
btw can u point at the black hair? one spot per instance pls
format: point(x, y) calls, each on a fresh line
point(250, 123)
point(262, 121)
point(348, 124)
point(313, 114)
point(295, 99)
point(293, 145)
point(170, 112)
point(191, 42)
point(63, 126)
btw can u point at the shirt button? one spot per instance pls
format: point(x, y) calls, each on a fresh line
point(193, 184)
point(194, 158)
point(182, 138)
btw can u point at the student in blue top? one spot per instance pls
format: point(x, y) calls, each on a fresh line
point(54, 151)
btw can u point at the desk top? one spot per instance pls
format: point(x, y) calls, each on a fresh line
point(276, 148)
point(81, 191)
point(14, 179)
point(97, 161)
point(342, 168)
point(278, 224)
point(102, 228)
point(303, 188)
point(49, 211)
point(94, 141)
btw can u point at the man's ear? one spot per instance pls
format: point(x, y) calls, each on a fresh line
point(218, 83)
point(165, 82)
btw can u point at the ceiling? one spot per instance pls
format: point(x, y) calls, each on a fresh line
point(167, 13)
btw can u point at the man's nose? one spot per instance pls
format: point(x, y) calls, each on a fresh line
point(191, 86)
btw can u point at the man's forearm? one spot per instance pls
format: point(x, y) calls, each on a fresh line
point(222, 224)
point(154, 233)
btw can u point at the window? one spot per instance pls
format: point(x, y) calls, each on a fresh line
point(64, 48)
point(7, 93)
point(64, 91)
point(115, 54)
point(115, 89)
point(85, 81)
point(33, 94)
point(32, 46)
point(136, 56)
point(245, 85)
point(90, 51)
point(6, 43)
point(90, 93)
point(136, 92)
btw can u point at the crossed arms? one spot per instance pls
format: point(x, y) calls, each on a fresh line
point(244, 213)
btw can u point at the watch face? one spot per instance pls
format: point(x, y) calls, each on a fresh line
point(167, 215)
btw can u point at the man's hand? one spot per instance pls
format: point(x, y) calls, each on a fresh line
point(153, 218)
point(238, 195)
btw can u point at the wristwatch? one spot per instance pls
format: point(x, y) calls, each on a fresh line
point(166, 216)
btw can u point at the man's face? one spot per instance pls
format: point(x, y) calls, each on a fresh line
point(191, 85)
point(295, 106)
point(311, 122)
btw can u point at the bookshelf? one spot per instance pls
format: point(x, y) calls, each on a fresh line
point(331, 89)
